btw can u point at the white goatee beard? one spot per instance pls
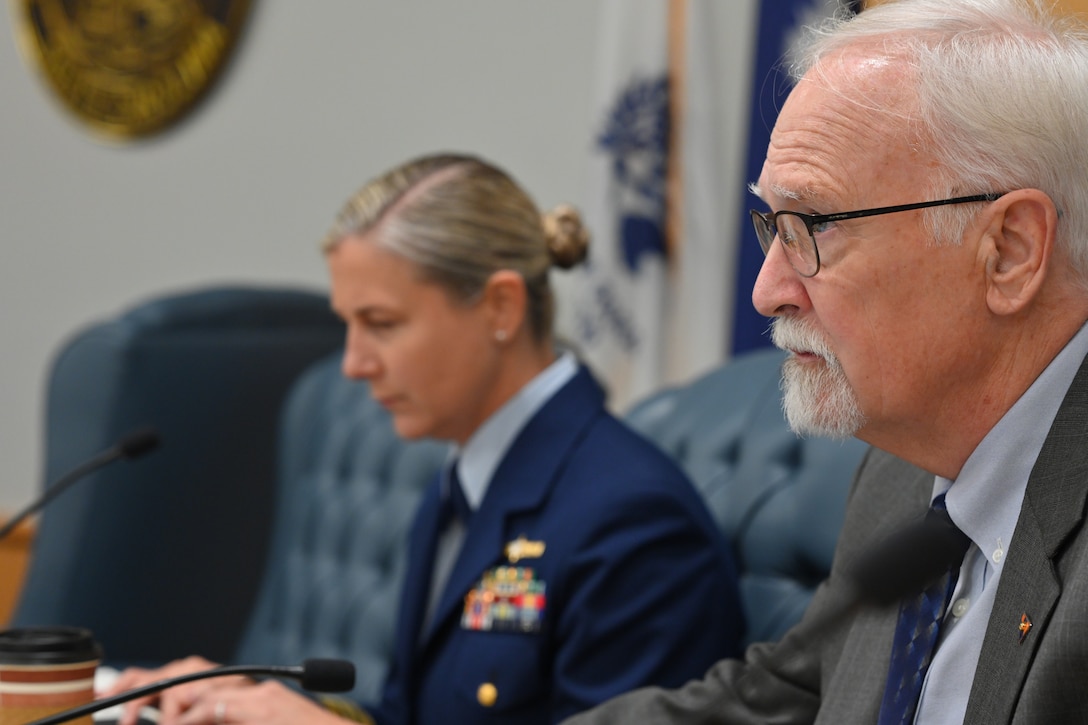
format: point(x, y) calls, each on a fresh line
point(817, 399)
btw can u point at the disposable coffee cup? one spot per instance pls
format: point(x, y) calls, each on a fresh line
point(45, 670)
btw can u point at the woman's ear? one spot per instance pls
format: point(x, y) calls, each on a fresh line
point(1018, 245)
point(505, 300)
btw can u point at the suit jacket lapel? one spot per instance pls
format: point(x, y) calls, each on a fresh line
point(889, 494)
point(521, 483)
point(1053, 507)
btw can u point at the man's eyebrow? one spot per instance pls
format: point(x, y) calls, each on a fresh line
point(779, 191)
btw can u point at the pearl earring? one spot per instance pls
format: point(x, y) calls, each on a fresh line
point(500, 335)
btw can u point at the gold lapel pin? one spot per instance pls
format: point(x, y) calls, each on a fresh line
point(1025, 626)
point(522, 548)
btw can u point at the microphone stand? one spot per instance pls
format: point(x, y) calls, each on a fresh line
point(331, 676)
point(132, 445)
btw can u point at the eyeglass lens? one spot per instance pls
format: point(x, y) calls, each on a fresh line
point(796, 240)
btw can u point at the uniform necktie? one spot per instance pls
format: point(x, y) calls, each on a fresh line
point(917, 631)
point(455, 505)
point(454, 509)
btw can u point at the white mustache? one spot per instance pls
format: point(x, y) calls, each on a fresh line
point(791, 334)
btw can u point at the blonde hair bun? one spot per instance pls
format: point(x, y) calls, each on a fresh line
point(566, 236)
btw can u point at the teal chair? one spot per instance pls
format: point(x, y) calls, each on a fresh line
point(162, 556)
point(348, 490)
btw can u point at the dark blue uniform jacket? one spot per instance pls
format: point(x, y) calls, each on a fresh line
point(591, 567)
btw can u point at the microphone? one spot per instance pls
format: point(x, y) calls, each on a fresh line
point(895, 568)
point(908, 560)
point(131, 445)
point(319, 675)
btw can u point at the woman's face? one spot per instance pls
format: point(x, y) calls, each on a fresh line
point(430, 360)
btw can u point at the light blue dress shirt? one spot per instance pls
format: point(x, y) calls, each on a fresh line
point(984, 502)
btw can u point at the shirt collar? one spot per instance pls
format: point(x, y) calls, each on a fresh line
point(485, 449)
point(985, 499)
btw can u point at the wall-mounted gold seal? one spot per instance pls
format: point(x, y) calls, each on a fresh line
point(129, 68)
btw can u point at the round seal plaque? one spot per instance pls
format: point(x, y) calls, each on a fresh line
point(129, 68)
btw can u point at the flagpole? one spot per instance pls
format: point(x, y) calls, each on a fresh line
point(674, 186)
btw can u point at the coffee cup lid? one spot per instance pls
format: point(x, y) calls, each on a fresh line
point(48, 645)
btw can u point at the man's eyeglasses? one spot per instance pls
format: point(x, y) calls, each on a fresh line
point(797, 231)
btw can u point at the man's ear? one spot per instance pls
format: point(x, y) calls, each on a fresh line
point(1018, 244)
point(506, 300)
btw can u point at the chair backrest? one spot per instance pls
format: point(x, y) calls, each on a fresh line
point(161, 557)
point(779, 498)
point(349, 488)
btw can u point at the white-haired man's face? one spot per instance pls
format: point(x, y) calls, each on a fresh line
point(884, 337)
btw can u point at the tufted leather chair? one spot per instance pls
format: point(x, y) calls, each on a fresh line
point(349, 487)
point(348, 492)
point(161, 556)
point(780, 499)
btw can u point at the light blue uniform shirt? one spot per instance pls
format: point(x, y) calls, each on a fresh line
point(488, 445)
point(984, 502)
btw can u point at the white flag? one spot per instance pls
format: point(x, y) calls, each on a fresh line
point(711, 141)
point(619, 307)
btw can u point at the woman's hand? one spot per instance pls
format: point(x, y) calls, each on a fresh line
point(266, 703)
point(173, 701)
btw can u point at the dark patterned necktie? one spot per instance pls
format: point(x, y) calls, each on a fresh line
point(916, 633)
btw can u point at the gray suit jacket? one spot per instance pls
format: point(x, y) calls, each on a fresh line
point(831, 667)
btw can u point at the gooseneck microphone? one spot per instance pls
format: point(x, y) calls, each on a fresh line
point(910, 559)
point(132, 445)
point(318, 675)
point(896, 567)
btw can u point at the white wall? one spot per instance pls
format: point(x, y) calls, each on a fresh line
point(318, 98)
